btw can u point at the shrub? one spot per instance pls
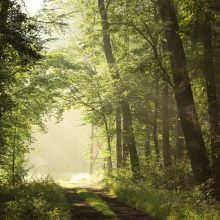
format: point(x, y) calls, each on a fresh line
point(42, 199)
point(167, 204)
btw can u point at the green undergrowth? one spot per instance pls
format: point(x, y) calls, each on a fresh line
point(37, 200)
point(166, 204)
point(93, 200)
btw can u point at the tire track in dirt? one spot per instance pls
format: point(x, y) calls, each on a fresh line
point(82, 211)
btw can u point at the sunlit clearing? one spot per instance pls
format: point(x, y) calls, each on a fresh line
point(61, 152)
point(34, 176)
point(86, 179)
point(80, 178)
point(93, 200)
point(33, 5)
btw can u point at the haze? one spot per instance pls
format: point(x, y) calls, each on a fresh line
point(33, 5)
point(61, 152)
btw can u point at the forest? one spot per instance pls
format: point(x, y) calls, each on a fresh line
point(146, 75)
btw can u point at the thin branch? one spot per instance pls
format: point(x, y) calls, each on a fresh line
point(155, 51)
point(108, 2)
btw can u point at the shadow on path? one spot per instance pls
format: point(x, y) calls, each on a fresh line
point(82, 211)
point(123, 211)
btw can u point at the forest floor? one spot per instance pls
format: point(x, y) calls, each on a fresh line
point(97, 204)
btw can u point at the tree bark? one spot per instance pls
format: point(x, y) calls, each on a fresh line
point(91, 151)
point(216, 48)
point(130, 139)
point(4, 7)
point(215, 5)
point(210, 78)
point(147, 144)
point(125, 105)
point(155, 121)
point(165, 126)
point(13, 180)
point(183, 93)
point(179, 138)
point(125, 145)
point(118, 138)
point(109, 147)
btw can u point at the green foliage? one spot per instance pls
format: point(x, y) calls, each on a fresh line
point(93, 200)
point(166, 204)
point(41, 200)
point(77, 76)
point(21, 47)
point(178, 176)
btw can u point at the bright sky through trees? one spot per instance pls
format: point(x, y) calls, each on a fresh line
point(61, 152)
point(110, 95)
point(47, 157)
point(33, 5)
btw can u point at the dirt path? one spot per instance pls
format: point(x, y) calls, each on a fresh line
point(82, 211)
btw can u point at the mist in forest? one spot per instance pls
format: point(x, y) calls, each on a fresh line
point(33, 5)
point(61, 152)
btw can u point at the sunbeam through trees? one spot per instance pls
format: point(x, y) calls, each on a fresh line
point(116, 103)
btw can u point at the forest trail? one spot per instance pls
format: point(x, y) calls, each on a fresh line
point(82, 210)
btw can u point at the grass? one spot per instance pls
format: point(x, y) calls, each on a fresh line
point(37, 200)
point(65, 184)
point(93, 200)
point(80, 180)
point(166, 204)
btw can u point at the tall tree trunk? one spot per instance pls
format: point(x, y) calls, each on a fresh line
point(147, 144)
point(216, 48)
point(118, 138)
point(217, 64)
point(125, 144)
point(183, 93)
point(210, 78)
point(13, 158)
point(165, 126)
point(125, 105)
point(215, 5)
point(109, 147)
point(92, 150)
point(4, 7)
point(179, 138)
point(130, 139)
point(155, 121)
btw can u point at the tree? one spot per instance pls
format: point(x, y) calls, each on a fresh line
point(128, 129)
point(183, 93)
point(215, 5)
point(155, 125)
point(118, 138)
point(19, 46)
point(179, 138)
point(165, 125)
point(213, 110)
